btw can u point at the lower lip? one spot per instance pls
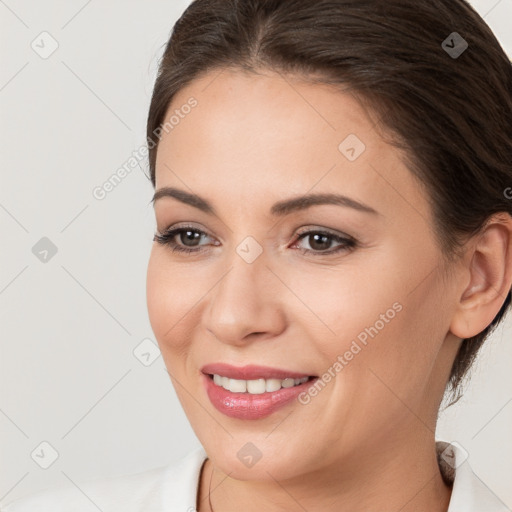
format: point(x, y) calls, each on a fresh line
point(246, 406)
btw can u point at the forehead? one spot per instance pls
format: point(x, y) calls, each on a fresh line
point(278, 135)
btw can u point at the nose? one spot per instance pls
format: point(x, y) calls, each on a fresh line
point(244, 305)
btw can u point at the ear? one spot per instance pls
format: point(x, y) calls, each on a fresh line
point(488, 278)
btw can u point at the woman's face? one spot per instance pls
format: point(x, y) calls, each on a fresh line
point(373, 315)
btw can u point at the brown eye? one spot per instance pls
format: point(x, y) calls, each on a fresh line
point(320, 242)
point(188, 239)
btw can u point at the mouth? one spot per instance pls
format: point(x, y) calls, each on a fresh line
point(256, 386)
point(254, 398)
point(251, 372)
point(253, 392)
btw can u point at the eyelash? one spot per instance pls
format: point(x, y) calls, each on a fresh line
point(348, 243)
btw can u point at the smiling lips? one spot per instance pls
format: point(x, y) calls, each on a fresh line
point(250, 372)
point(251, 392)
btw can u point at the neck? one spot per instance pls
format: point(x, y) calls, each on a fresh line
point(404, 477)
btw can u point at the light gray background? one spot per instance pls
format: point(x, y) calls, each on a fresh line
point(68, 373)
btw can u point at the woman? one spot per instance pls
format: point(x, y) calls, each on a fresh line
point(334, 245)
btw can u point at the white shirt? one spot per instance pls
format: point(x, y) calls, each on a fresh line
point(173, 488)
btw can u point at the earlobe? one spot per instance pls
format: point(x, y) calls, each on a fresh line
point(490, 279)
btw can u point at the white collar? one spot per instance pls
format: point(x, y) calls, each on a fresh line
point(469, 492)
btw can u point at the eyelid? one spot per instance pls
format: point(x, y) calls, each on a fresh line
point(175, 227)
point(319, 229)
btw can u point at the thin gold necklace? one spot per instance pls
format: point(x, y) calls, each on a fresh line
point(209, 492)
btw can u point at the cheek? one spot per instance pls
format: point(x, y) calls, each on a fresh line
point(367, 314)
point(341, 304)
point(156, 296)
point(171, 297)
point(402, 332)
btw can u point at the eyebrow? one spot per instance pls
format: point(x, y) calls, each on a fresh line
point(280, 208)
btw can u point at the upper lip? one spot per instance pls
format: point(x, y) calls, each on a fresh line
point(250, 372)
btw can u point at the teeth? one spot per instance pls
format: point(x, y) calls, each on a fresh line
point(256, 387)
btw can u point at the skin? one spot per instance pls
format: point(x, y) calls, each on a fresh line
point(366, 442)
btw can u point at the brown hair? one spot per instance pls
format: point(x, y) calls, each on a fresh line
point(450, 114)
